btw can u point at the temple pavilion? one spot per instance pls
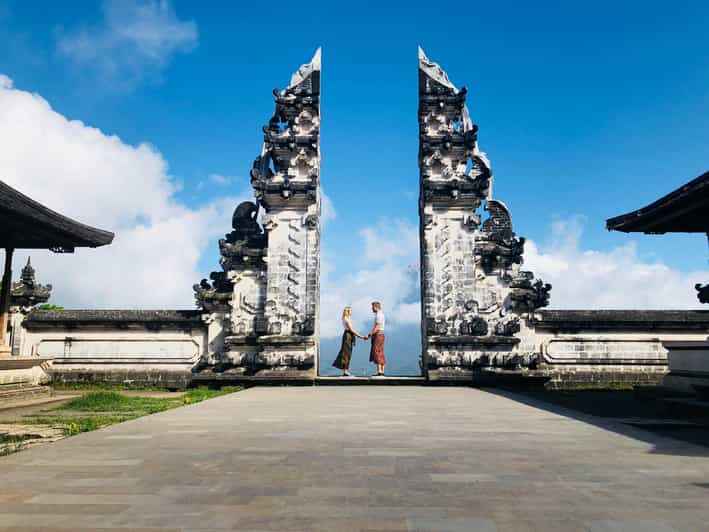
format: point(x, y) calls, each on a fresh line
point(685, 210)
point(27, 224)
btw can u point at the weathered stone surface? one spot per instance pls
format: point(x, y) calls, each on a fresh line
point(43, 319)
point(619, 320)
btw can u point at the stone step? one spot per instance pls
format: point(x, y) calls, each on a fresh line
point(14, 393)
point(370, 381)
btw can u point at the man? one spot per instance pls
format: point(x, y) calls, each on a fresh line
point(376, 354)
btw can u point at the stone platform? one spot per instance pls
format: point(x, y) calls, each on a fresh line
point(365, 458)
point(369, 381)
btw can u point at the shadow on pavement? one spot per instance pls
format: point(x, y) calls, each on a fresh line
point(621, 412)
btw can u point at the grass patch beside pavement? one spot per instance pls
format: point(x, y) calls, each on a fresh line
point(100, 409)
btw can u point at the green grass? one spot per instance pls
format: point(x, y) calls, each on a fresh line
point(115, 402)
point(100, 409)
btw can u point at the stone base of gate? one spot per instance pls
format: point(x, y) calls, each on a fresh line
point(457, 359)
point(263, 359)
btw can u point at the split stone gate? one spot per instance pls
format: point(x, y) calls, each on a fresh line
point(258, 318)
point(262, 307)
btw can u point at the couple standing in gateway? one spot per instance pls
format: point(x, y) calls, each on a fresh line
point(376, 353)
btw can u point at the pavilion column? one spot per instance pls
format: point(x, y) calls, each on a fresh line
point(5, 301)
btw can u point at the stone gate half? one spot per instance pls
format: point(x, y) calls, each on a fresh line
point(475, 297)
point(262, 308)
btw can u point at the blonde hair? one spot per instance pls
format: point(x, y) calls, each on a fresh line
point(347, 312)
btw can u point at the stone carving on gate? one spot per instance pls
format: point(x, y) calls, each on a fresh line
point(475, 297)
point(262, 309)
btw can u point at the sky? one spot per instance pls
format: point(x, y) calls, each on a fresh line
point(144, 117)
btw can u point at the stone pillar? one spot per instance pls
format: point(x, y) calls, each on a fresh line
point(286, 179)
point(5, 302)
point(472, 290)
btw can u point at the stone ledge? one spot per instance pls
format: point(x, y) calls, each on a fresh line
point(475, 341)
point(284, 375)
point(42, 319)
point(389, 380)
point(286, 340)
point(240, 341)
point(574, 320)
point(21, 362)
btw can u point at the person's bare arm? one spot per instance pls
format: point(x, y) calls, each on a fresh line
point(352, 329)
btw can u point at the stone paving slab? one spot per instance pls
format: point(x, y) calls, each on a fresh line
point(364, 458)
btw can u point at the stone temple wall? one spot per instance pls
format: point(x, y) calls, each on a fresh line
point(157, 347)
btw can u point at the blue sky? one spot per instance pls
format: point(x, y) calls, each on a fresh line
point(586, 110)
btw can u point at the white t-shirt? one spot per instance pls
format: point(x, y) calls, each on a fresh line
point(380, 319)
point(345, 323)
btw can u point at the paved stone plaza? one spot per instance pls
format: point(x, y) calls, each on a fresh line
point(361, 458)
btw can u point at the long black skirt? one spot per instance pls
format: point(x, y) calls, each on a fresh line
point(345, 355)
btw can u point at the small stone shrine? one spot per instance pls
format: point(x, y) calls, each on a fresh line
point(474, 293)
point(262, 308)
point(27, 292)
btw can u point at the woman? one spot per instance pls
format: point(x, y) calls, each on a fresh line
point(348, 341)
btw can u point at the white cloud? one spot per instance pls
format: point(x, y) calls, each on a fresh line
point(327, 208)
point(98, 179)
point(615, 279)
point(219, 179)
point(5, 82)
point(581, 278)
point(137, 39)
point(387, 272)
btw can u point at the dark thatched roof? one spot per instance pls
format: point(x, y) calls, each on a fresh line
point(685, 210)
point(26, 223)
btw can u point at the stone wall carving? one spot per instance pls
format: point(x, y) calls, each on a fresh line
point(475, 295)
point(264, 304)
